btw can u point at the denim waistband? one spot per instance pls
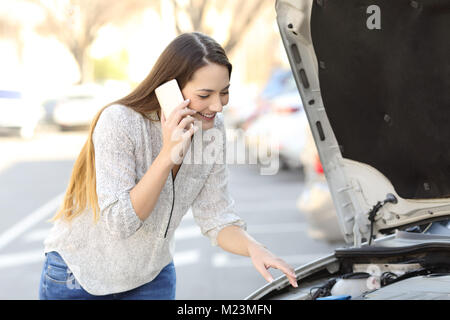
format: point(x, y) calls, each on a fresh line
point(55, 257)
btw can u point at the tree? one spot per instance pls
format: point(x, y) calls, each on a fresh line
point(75, 23)
point(11, 30)
point(243, 13)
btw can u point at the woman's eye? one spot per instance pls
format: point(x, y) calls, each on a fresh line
point(223, 93)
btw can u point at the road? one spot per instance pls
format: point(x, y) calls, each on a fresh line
point(33, 178)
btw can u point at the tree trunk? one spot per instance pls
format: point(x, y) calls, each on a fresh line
point(84, 62)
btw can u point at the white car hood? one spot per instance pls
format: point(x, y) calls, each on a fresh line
point(374, 78)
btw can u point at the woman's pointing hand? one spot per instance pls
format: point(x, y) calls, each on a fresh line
point(263, 259)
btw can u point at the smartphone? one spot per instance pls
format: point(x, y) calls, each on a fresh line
point(169, 96)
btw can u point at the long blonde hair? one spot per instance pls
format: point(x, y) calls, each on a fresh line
point(82, 184)
point(179, 60)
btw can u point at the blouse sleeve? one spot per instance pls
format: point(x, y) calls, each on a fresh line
point(214, 208)
point(115, 165)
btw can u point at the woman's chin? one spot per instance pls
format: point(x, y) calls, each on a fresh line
point(207, 125)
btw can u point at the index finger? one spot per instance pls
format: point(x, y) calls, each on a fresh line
point(163, 118)
point(176, 116)
point(288, 271)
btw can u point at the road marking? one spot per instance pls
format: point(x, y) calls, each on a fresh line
point(220, 260)
point(304, 258)
point(186, 257)
point(190, 232)
point(188, 215)
point(276, 228)
point(18, 259)
point(224, 260)
point(182, 258)
point(23, 225)
point(5, 165)
point(37, 235)
point(187, 233)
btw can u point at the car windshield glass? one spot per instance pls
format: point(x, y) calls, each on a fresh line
point(289, 84)
point(80, 97)
point(10, 94)
point(280, 82)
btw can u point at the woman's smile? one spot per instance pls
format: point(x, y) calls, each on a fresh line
point(208, 91)
point(207, 116)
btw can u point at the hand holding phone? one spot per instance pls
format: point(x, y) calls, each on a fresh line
point(169, 96)
point(176, 120)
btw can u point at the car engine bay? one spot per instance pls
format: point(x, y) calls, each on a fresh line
point(405, 265)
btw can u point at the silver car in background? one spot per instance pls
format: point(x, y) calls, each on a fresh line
point(77, 106)
point(19, 113)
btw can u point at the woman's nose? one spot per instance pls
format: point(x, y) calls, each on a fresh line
point(216, 107)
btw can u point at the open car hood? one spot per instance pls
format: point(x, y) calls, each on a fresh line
point(374, 78)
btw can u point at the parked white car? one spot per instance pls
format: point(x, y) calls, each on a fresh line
point(78, 106)
point(280, 130)
point(290, 130)
point(19, 113)
point(240, 106)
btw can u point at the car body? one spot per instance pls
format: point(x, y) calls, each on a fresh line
point(315, 202)
point(280, 82)
point(279, 132)
point(19, 113)
point(279, 122)
point(291, 125)
point(240, 107)
point(376, 96)
point(79, 104)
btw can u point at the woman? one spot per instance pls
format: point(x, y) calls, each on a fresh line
point(113, 235)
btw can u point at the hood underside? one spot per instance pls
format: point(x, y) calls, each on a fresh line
point(387, 91)
point(374, 76)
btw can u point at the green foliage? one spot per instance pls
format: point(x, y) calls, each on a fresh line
point(112, 67)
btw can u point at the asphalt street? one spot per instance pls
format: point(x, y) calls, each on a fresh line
point(33, 178)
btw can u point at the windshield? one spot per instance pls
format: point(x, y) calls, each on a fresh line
point(10, 94)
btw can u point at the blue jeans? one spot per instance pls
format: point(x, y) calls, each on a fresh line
point(58, 283)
